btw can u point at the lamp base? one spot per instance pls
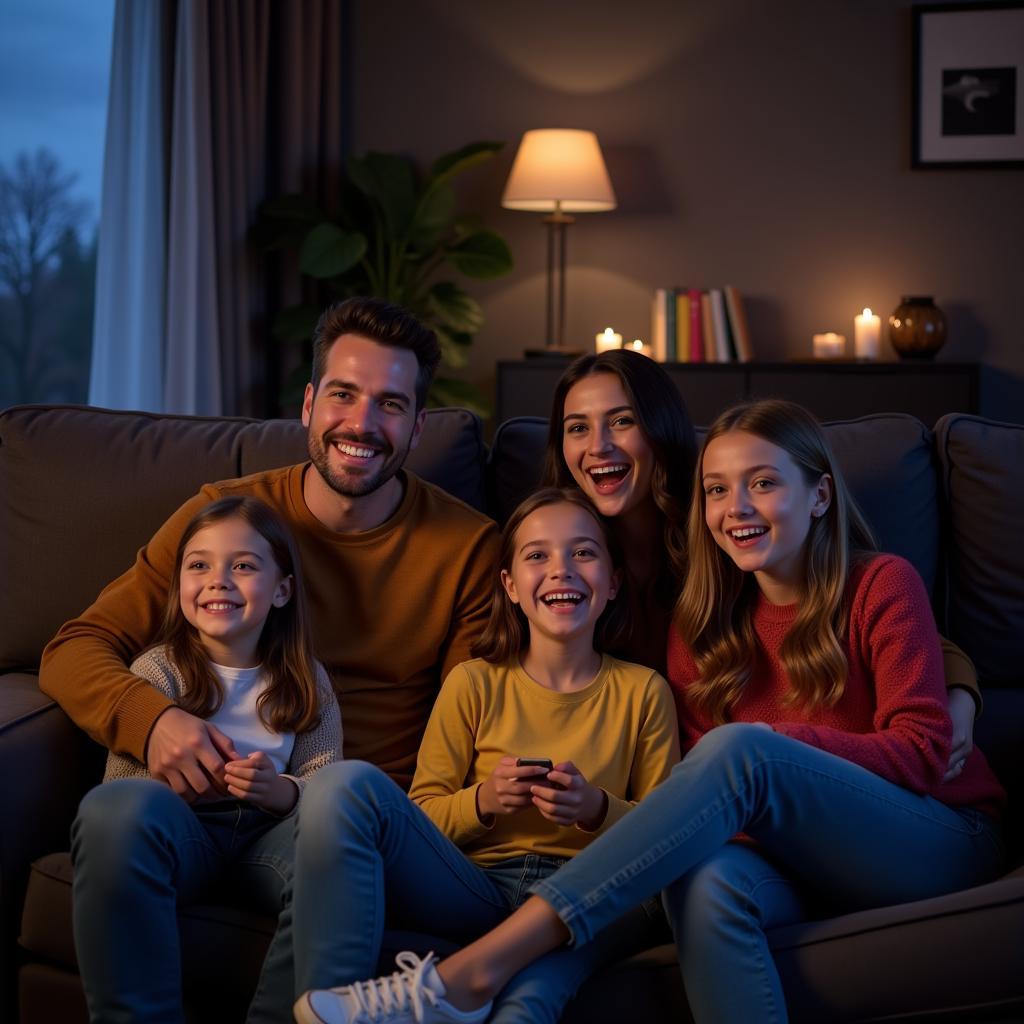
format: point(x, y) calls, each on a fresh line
point(556, 351)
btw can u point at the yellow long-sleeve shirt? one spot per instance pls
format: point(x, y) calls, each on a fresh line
point(393, 610)
point(620, 731)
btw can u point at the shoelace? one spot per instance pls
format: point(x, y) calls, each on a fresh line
point(399, 991)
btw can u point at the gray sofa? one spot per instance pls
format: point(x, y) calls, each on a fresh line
point(81, 489)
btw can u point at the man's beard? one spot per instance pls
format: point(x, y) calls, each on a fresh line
point(356, 485)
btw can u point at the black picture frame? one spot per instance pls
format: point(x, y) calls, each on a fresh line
point(968, 85)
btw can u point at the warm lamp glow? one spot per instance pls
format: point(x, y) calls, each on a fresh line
point(559, 169)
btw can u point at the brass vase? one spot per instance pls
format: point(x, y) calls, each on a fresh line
point(917, 327)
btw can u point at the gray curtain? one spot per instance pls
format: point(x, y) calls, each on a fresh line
point(214, 105)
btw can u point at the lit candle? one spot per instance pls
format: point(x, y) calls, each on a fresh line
point(607, 340)
point(829, 345)
point(638, 346)
point(866, 329)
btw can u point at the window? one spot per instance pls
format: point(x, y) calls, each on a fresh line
point(54, 70)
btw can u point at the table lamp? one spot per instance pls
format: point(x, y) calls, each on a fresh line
point(558, 171)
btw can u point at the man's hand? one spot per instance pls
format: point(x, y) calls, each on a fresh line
point(255, 780)
point(961, 710)
point(507, 789)
point(189, 755)
point(576, 802)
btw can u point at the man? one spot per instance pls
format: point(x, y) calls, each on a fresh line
point(399, 577)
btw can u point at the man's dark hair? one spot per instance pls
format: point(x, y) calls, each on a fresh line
point(383, 323)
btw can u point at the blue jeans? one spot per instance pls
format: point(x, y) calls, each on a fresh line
point(139, 851)
point(366, 854)
point(824, 826)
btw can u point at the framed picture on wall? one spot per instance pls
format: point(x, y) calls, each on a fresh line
point(968, 85)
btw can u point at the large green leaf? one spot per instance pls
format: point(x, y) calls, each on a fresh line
point(295, 323)
point(446, 391)
point(455, 308)
point(390, 182)
point(454, 346)
point(329, 251)
point(447, 166)
point(433, 221)
point(483, 254)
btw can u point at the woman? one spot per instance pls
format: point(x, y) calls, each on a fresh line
point(619, 431)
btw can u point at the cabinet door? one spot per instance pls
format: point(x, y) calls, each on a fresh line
point(845, 392)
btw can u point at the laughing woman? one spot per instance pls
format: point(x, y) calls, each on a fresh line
point(620, 432)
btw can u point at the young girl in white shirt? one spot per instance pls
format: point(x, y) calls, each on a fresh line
point(233, 650)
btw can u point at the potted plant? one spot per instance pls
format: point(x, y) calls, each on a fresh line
point(394, 234)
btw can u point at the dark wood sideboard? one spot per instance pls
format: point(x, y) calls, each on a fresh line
point(832, 390)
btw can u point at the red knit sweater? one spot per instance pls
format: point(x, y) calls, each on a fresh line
point(892, 716)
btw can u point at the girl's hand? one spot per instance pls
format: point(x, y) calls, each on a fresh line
point(961, 711)
point(571, 800)
point(255, 780)
point(506, 790)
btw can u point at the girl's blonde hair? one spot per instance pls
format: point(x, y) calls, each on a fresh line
point(508, 631)
point(714, 613)
point(289, 703)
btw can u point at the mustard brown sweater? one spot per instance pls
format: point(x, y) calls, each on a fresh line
point(393, 610)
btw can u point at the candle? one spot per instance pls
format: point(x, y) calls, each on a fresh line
point(829, 345)
point(638, 346)
point(607, 340)
point(866, 328)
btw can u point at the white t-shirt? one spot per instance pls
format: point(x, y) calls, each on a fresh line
point(238, 719)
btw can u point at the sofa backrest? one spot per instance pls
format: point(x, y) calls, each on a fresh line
point(982, 478)
point(887, 461)
point(81, 489)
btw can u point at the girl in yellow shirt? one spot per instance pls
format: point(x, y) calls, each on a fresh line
point(483, 824)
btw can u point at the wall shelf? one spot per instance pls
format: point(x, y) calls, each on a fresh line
point(831, 389)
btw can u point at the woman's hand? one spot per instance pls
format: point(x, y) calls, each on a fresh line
point(255, 780)
point(506, 790)
point(568, 799)
point(961, 711)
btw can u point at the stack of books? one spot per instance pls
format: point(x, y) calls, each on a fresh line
point(694, 325)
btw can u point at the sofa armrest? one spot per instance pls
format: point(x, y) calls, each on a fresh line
point(46, 765)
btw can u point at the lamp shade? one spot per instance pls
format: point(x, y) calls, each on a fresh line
point(559, 168)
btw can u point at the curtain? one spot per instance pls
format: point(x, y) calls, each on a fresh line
point(215, 105)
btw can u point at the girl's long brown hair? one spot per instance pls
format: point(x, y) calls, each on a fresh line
point(714, 613)
point(666, 427)
point(507, 631)
point(289, 703)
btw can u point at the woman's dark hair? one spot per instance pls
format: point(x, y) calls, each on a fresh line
point(289, 703)
point(665, 424)
point(508, 631)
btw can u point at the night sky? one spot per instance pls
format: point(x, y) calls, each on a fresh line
point(54, 69)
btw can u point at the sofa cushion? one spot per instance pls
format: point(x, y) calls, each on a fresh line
point(982, 472)
point(886, 459)
point(82, 489)
point(514, 463)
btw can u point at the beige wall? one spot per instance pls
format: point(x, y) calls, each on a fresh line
point(761, 144)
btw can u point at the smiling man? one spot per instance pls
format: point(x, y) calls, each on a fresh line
point(398, 577)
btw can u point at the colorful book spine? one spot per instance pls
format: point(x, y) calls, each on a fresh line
point(710, 348)
point(738, 322)
point(658, 333)
point(696, 326)
point(723, 346)
point(683, 353)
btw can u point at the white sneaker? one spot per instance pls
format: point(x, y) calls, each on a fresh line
point(412, 995)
